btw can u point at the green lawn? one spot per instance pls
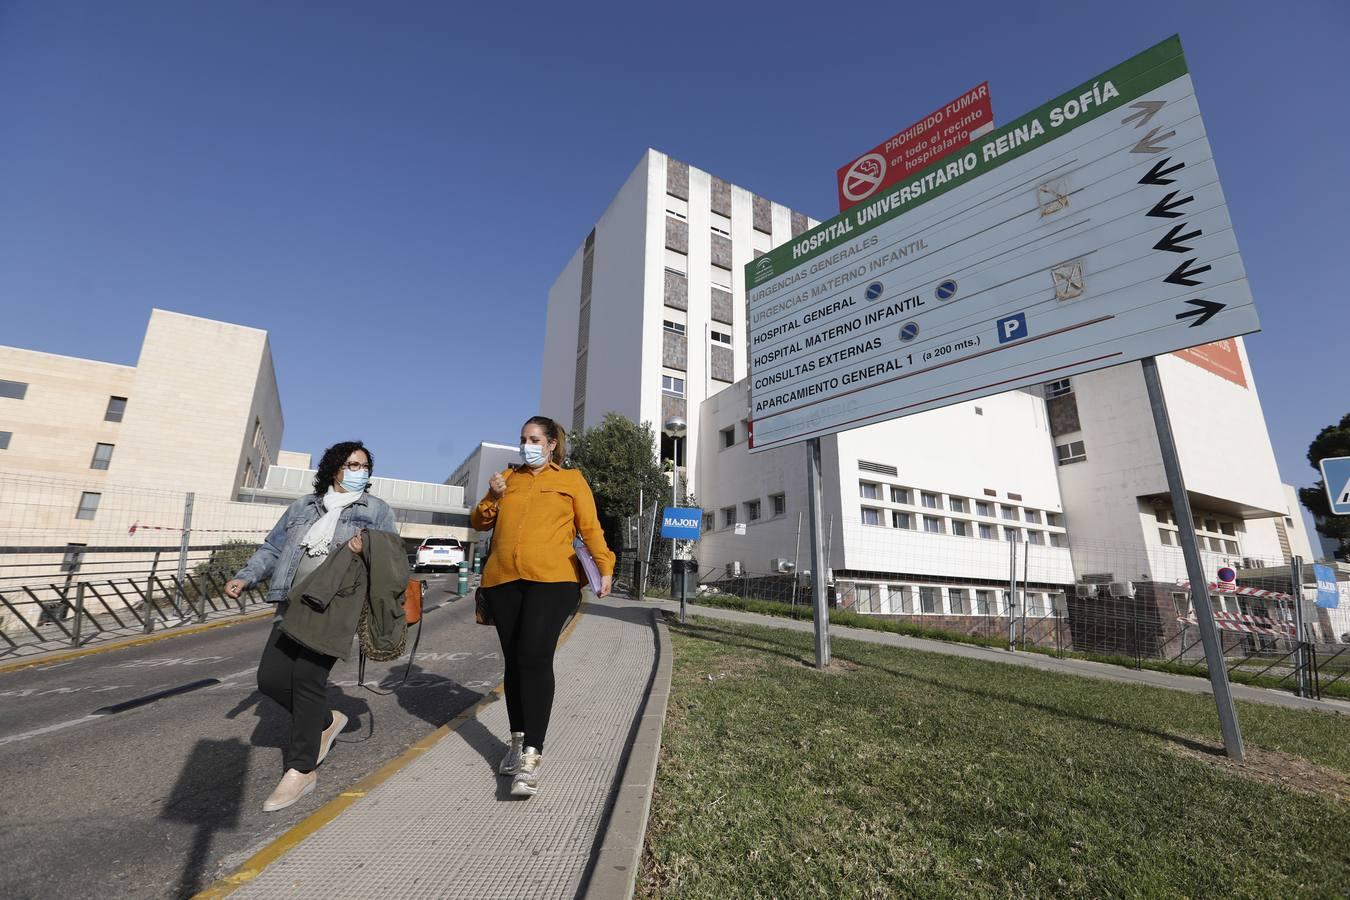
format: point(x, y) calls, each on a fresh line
point(913, 774)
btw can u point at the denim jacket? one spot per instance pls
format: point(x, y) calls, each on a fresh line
point(279, 555)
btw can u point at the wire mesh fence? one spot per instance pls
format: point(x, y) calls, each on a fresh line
point(1017, 588)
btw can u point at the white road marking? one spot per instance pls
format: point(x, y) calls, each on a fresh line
point(36, 732)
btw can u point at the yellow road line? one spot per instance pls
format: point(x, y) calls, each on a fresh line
point(286, 842)
point(135, 642)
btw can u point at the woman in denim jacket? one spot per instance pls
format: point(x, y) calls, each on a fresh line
point(291, 674)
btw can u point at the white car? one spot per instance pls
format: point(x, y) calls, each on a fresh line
point(436, 553)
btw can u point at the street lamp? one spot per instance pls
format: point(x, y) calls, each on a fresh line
point(675, 428)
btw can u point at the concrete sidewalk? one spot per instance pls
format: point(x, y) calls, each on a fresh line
point(1085, 668)
point(445, 824)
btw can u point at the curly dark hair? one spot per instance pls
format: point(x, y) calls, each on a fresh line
point(334, 458)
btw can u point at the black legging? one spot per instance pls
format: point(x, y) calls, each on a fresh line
point(297, 678)
point(530, 617)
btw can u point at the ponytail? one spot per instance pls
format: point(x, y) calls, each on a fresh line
point(555, 432)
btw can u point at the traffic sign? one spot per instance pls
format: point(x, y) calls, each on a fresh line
point(1336, 477)
point(1227, 578)
point(681, 523)
point(1134, 257)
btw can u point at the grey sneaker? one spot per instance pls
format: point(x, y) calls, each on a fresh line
point(526, 781)
point(511, 761)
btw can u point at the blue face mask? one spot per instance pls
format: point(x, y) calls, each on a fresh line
point(355, 481)
point(533, 454)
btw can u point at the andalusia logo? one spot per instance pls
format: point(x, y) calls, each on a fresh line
point(763, 268)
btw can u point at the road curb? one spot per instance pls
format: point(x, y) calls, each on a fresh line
point(59, 656)
point(306, 827)
point(615, 869)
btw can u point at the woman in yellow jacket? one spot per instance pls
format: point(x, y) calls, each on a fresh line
point(532, 580)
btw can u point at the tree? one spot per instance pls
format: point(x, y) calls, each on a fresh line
point(618, 458)
point(1334, 440)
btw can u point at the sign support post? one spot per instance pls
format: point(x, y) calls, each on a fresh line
point(1204, 614)
point(820, 607)
point(1300, 648)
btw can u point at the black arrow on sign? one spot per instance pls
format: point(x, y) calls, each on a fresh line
point(1174, 239)
point(1146, 144)
point(1166, 208)
point(1147, 110)
point(1157, 174)
point(1204, 311)
point(1182, 274)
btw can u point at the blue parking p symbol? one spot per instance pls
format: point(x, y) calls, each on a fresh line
point(1013, 328)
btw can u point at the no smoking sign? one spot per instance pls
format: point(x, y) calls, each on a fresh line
point(864, 176)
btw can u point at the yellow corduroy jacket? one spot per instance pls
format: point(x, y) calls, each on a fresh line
point(534, 523)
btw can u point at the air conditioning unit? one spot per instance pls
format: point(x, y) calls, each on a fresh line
point(1085, 591)
point(784, 566)
point(736, 568)
point(1122, 589)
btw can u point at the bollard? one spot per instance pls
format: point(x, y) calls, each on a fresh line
point(477, 564)
point(463, 580)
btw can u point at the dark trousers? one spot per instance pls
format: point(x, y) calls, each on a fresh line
point(530, 617)
point(297, 678)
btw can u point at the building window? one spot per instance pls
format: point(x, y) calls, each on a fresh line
point(871, 516)
point(117, 406)
point(987, 532)
point(900, 495)
point(728, 516)
point(1054, 520)
point(73, 557)
point(752, 511)
point(1056, 540)
point(1071, 452)
point(869, 598)
point(257, 432)
point(1161, 515)
point(13, 390)
point(901, 599)
point(1035, 537)
point(956, 601)
point(929, 600)
point(102, 456)
point(932, 524)
point(960, 528)
point(1227, 527)
point(88, 505)
point(4, 439)
point(1036, 604)
point(728, 437)
point(900, 519)
point(248, 473)
point(779, 502)
point(1012, 535)
point(1032, 515)
point(1165, 536)
point(958, 504)
point(709, 520)
point(868, 490)
point(982, 508)
point(985, 605)
point(1230, 547)
point(672, 385)
point(1058, 389)
point(929, 500)
point(721, 337)
point(1008, 512)
point(673, 327)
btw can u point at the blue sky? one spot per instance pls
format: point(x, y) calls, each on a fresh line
point(389, 189)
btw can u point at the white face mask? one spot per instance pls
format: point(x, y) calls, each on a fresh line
point(533, 454)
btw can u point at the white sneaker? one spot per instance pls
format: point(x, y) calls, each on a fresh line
point(330, 734)
point(292, 787)
point(526, 780)
point(511, 761)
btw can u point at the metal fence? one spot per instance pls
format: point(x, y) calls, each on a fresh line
point(73, 594)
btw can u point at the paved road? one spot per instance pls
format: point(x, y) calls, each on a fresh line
point(160, 799)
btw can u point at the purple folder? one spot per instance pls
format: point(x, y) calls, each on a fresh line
point(588, 563)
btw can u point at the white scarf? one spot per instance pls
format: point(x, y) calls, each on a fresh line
point(318, 539)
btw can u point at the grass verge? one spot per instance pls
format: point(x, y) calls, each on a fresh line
point(901, 773)
point(1339, 689)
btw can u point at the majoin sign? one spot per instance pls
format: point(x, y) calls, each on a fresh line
point(1088, 233)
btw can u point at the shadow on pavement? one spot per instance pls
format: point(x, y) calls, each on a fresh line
point(208, 796)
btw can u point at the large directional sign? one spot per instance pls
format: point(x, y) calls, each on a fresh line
point(1336, 478)
point(1088, 233)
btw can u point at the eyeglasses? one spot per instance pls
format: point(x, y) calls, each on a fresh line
point(357, 467)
